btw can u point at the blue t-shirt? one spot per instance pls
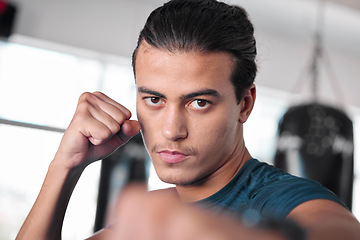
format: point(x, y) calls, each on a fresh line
point(266, 190)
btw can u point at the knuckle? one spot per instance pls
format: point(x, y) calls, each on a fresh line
point(97, 93)
point(85, 96)
point(105, 134)
point(114, 127)
point(100, 134)
point(121, 117)
point(127, 113)
point(83, 108)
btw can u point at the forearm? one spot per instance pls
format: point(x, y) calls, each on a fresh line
point(99, 126)
point(334, 229)
point(324, 219)
point(46, 216)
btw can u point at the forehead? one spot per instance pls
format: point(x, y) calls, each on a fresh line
point(182, 70)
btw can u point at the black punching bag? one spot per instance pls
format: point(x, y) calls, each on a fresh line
point(7, 17)
point(316, 141)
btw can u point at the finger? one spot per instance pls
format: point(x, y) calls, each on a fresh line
point(115, 141)
point(94, 124)
point(113, 103)
point(103, 103)
point(112, 122)
point(96, 131)
point(129, 129)
point(109, 113)
point(90, 106)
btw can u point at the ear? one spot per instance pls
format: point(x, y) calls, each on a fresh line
point(247, 103)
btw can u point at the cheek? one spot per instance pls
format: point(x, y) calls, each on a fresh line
point(141, 117)
point(148, 125)
point(216, 135)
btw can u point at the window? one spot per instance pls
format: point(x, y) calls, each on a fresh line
point(39, 90)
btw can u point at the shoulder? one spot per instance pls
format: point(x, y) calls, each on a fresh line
point(261, 174)
point(280, 193)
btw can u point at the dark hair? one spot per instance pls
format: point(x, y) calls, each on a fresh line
point(205, 26)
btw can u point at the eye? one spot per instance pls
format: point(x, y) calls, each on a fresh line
point(153, 100)
point(199, 103)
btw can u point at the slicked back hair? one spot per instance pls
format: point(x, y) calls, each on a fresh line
point(204, 26)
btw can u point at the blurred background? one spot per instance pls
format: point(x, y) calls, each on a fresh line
point(53, 50)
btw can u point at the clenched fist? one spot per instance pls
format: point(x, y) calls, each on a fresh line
point(100, 125)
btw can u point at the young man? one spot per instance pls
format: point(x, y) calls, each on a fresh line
point(194, 67)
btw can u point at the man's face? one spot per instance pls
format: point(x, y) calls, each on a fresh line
point(188, 111)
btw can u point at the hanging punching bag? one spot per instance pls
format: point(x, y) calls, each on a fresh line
point(7, 17)
point(316, 141)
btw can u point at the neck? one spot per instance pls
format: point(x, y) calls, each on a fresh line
point(217, 180)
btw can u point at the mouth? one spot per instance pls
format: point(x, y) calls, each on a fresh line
point(172, 157)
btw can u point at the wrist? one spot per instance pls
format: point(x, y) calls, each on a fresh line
point(63, 173)
point(66, 164)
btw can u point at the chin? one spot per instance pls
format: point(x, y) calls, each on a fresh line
point(181, 181)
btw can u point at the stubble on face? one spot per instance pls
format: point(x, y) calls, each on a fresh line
point(180, 74)
point(186, 150)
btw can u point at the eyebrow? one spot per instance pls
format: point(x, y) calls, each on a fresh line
point(205, 92)
point(148, 91)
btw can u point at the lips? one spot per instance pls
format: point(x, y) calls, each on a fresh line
point(172, 157)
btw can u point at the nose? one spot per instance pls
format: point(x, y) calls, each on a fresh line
point(174, 125)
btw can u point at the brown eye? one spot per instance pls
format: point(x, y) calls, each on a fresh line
point(153, 100)
point(199, 103)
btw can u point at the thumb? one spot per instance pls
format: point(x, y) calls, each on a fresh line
point(129, 129)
